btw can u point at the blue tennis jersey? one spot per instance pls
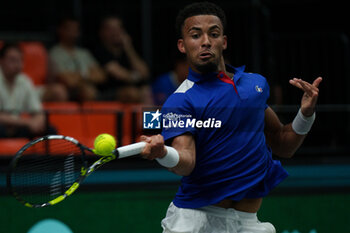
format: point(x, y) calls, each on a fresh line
point(226, 119)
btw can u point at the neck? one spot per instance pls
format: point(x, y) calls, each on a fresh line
point(9, 80)
point(221, 65)
point(67, 45)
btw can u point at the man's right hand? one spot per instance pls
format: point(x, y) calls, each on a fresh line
point(154, 148)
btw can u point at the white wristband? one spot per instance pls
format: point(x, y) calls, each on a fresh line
point(302, 124)
point(171, 159)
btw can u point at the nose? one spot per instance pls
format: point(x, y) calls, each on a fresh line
point(206, 41)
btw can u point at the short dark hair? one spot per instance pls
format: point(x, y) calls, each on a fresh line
point(7, 46)
point(106, 17)
point(67, 18)
point(199, 8)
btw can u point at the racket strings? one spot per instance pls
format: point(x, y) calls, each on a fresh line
point(46, 170)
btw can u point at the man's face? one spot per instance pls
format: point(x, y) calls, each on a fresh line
point(69, 31)
point(203, 42)
point(11, 63)
point(111, 31)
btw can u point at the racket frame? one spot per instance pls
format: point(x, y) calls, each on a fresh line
point(84, 171)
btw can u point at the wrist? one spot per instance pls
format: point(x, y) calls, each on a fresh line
point(302, 124)
point(307, 112)
point(171, 157)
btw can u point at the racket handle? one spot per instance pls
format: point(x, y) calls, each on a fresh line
point(130, 150)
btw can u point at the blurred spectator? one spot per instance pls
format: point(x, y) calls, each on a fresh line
point(167, 83)
point(127, 73)
point(36, 66)
point(18, 96)
point(74, 66)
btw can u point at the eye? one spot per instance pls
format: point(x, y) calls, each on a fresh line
point(215, 34)
point(195, 36)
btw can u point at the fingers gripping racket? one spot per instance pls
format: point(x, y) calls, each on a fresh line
point(47, 170)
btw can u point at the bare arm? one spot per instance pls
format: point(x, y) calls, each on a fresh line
point(69, 79)
point(118, 72)
point(10, 120)
point(282, 138)
point(137, 63)
point(185, 146)
point(96, 74)
point(35, 122)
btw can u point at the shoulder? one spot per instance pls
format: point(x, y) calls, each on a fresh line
point(181, 96)
point(257, 80)
point(255, 76)
point(185, 86)
point(25, 81)
point(57, 52)
point(55, 49)
point(83, 51)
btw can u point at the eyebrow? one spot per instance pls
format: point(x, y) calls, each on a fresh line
point(199, 29)
point(194, 29)
point(215, 27)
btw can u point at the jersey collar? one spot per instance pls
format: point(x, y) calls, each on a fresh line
point(196, 77)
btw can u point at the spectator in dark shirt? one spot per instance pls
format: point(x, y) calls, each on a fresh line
point(127, 72)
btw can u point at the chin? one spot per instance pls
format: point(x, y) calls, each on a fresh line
point(207, 67)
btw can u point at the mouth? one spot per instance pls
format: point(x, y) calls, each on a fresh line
point(205, 55)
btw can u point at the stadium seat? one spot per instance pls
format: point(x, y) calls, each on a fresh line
point(103, 105)
point(102, 117)
point(84, 122)
point(61, 106)
point(133, 122)
point(67, 118)
point(35, 61)
point(9, 146)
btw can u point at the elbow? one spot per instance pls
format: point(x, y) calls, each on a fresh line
point(183, 170)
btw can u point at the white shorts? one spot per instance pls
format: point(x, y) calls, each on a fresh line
point(212, 219)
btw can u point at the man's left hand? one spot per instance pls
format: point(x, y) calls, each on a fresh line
point(309, 99)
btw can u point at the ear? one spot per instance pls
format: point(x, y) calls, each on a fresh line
point(225, 43)
point(181, 46)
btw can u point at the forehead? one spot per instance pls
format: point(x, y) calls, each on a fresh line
point(202, 21)
point(12, 52)
point(112, 22)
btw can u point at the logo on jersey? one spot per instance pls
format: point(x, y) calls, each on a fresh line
point(152, 120)
point(258, 89)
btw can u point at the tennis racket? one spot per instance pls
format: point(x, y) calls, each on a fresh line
point(47, 170)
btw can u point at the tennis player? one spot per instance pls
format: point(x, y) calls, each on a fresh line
point(218, 123)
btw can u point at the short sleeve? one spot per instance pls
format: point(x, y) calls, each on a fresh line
point(89, 58)
point(177, 116)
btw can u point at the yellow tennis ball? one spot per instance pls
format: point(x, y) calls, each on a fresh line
point(104, 144)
